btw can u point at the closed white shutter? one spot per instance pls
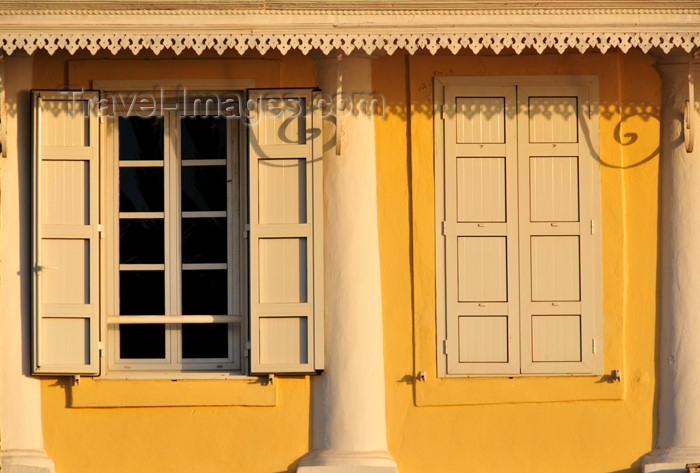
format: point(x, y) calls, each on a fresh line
point(557, 230)
point(285, 234)
point(480, 230)
point(65, 260)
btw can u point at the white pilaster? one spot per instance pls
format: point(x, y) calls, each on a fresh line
point(21, 437)
point(348, 399)
point(679, 358)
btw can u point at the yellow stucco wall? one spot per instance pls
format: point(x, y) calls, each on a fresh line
point(537, 424)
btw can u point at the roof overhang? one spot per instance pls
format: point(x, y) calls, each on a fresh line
point(348, 26)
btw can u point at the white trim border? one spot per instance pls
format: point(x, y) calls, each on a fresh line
point(367, 43)
point(440, 25)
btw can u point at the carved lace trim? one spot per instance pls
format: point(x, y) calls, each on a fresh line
point(348, 43)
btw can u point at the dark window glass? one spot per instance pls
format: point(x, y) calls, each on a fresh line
point(141, 241)
point(204, 240)
point(141, 189)
point(203, 137)
point(203, 188)
point(141, 293)
point(204, 340)
point(141, 138)
point(142, 341)
point(205, 292)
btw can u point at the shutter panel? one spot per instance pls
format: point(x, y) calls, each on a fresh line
point(481, 230)
point(286, 249)
point(65, 241)
point(557, 258)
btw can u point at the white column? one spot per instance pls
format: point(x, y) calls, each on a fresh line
point(21, 437)
point(348, 399)
point(679, 358)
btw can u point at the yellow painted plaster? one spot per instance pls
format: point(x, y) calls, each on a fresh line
point(528, 424)
point(163, 426)
point(538, 424)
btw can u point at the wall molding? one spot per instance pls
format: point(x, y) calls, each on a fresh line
point(285, 27)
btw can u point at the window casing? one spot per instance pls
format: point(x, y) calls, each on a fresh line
point(175, 222)
point(241, 218)
point(517, 226)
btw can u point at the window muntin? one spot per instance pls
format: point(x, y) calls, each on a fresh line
point(177, 243)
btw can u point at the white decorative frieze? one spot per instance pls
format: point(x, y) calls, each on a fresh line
point(432, 42)
point(453, 26)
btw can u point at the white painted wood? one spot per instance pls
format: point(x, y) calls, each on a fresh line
point(560, 312)
point(481, 230)
point(482, 269)
point(284, 340)
point(554, 268)
point(282, 270)
point(174, 362)
point(65, 234)
point(480, 119)
point(282, 190)
point(552, 199)
point(481, 189)
point(554, 190)
point(483, 339)
point(284, 219)
point(553, 119)
point(556, 338)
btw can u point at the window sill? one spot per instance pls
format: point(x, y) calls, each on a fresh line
point(526, 389)
point(242, 391)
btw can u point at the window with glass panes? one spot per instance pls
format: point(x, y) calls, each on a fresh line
point(177, 228)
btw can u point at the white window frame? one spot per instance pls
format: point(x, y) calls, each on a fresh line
point(169, 368)
point(589, 152)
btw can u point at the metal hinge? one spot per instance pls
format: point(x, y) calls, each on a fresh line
point(246, 230)
point(592, 227)
point(593, 345)
point(247, 347)
point(442, 111)
point(444, 347)
point(443, 228)
point(101, 231)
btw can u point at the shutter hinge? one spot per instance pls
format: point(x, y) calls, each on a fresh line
point(442, 111)
point(247, 346)
point(443, 228)
point(593, 345)
point(444, 347)
point(246, 230)
point(592, 227)
point(101, 231)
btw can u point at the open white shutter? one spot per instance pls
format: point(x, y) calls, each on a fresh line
point(286, 250)
point(557, 230)
point(480, 230)
point(65, 243)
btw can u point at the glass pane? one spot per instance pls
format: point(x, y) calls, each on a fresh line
point(205, 340)
point(141, 241)
point(141, 138)
point(203, 188)
point(141, 189)
point(205, 292)
point(204, 240)
point(203, 137)
point(141, 293)
point(142, 341)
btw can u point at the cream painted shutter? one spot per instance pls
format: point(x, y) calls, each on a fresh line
point(65, 241)
point(480, 230)
point(559, 247)
point(286, 250)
